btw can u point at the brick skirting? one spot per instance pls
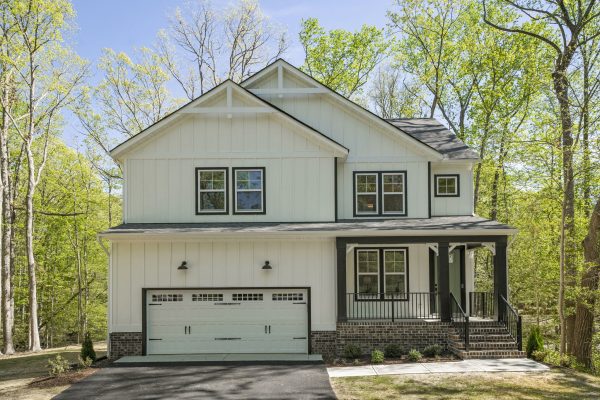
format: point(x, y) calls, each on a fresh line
point(323, 342)
point(376, 335)
point(124, 344)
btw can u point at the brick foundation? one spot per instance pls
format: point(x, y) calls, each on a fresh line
point(324, 343)
point(376, 335)
point(124, 344)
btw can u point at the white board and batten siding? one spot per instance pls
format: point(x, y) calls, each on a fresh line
point(160, 174)
point(235, 262)
point(447, 206)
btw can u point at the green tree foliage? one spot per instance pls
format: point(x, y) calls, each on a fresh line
point(340, 59)
point(534, 341)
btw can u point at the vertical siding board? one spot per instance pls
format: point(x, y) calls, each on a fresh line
point(137, 282)
point(122, 311)
point(151, 278)
point(164, 264)
point(193, 262)
point(178, 277)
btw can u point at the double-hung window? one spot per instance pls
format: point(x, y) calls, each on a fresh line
point(367, 193)
point(211, 193)
point(249, 190)
point(382, 273)
point(380, 193)
point(447, 185)
point(367, 268)
point(394, 271)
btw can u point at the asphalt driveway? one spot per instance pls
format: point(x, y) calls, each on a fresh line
point(184, 381)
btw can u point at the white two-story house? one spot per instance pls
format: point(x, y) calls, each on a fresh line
point(277, 216)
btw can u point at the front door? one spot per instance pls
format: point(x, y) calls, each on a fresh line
point(457, 274)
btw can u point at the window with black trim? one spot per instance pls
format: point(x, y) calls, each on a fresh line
point(367, 193)
point(249, 190)
point(379, 193)
point(447, 185)
point(381, 273)
point(211, 191)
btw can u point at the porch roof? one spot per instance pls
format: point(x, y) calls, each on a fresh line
point(439, 226)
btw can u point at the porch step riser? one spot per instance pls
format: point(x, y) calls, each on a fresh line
point(482, 338)
point(493, 354)
point(485, 346)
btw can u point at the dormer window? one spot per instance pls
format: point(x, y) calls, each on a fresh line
point(447, 186)
point(211, 191)
point(249, 193)
point(380, 193)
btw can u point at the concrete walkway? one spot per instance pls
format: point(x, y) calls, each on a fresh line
point(219, 358)
point(447, 367)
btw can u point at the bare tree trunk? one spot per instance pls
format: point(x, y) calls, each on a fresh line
point(584, 320)
point(34, 333)
point(8, 312)
point(569, 247)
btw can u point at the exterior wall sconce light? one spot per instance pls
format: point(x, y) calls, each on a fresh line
point(267, 265)
point(183, 265)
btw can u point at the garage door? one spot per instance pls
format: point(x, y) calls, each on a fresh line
point(227, 321)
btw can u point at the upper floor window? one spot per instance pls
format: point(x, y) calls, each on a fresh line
point(249, 190)
point(447, 186)
point(211, 193)
point(380, 193)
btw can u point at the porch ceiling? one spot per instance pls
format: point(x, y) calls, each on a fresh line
point(439, 226)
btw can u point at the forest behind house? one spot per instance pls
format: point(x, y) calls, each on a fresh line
point(518, 81)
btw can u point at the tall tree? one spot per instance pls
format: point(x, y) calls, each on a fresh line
point(340, 59)
point(204, 45)
point(48, 79)
point(563, 26)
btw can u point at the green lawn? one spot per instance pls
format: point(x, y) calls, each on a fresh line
point(18, 371)
point(555, 384)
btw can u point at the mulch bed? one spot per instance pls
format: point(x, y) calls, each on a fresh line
point(366, 360)
point(70, 377)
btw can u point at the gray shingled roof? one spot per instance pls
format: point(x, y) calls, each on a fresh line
point(442, 225)
point(436, 136)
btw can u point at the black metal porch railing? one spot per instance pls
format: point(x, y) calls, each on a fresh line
point(460, 320)
point(482, 304)
point(512, 321)
point(392, 306)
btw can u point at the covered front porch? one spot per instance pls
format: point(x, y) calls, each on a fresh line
point(402, 278)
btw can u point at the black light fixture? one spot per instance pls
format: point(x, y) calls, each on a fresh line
point(267, 265)
point(183, 265)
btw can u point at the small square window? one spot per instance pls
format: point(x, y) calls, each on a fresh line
point(447, 186)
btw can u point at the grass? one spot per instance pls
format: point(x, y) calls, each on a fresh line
point(554, 384)
point(17, 372)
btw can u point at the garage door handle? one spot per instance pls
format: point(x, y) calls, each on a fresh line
point(185, 329)
point(269, 329)
point(190, 329)
point(265, 329)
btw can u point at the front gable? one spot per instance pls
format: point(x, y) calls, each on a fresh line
point(227, 120)
point(364, 133)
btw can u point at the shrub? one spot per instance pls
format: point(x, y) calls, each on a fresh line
point(87, 348)
point(352, 351)
point(85, 362)
point(554, 358)
point(432, 351)
point(539, 355)
point(58, 366)
point(414, 355)
point(377, 357)
point(534, 341)
point(393, 351)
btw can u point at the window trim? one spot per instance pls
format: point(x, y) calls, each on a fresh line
point(356, 194)
point(225, 190)
point(263, 191)
point(358, 273)
point(435, 185)
point(381, 273)
point(380, 212)
point(383, 193)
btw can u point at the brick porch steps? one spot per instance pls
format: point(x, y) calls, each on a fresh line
point(487, 340)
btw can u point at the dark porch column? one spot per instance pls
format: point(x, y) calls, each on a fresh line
point(444, 282)
point(341, 280)
point(500, 275)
